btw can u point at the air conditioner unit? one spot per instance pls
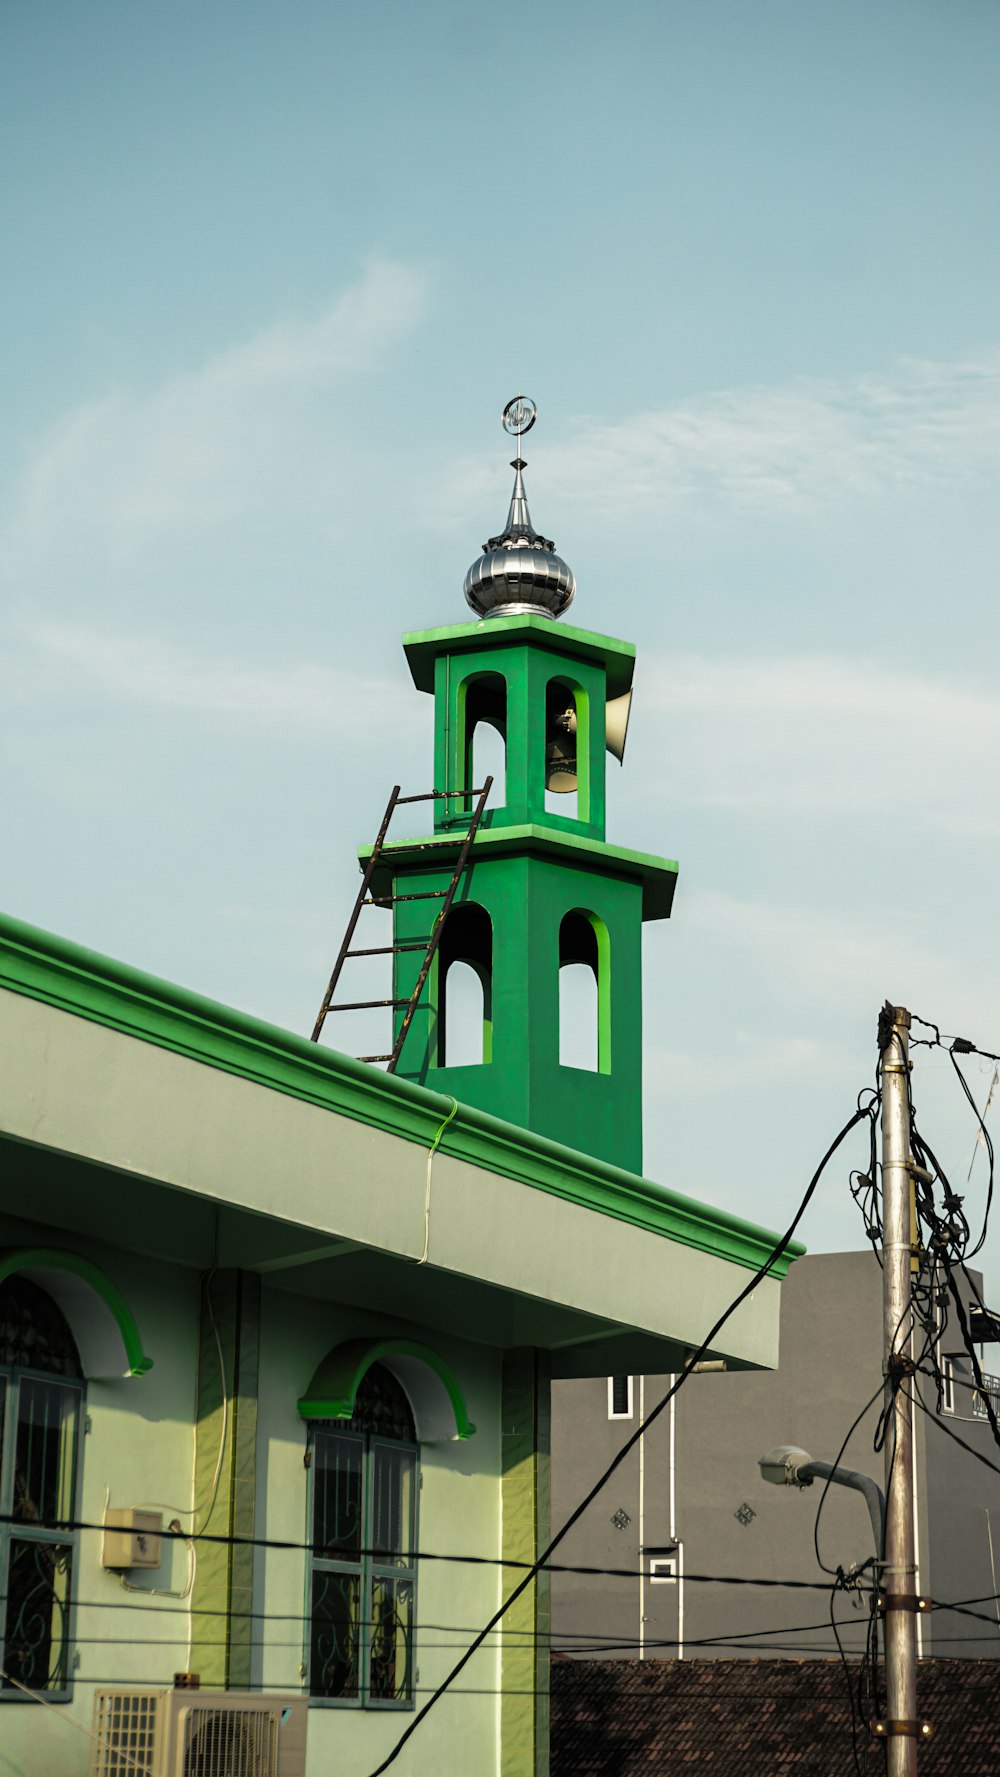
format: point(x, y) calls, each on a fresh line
point(188, 1733)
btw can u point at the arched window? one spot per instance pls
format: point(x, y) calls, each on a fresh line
point(485, 743)
point(364, 1506)
point(41, 1394)
point(566, 761)
point(465, 988)
point(584, 993)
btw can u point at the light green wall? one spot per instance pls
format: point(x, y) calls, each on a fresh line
point(211, 1122)
point(138, 1451)
point(142, 1445)
point(459, 1513)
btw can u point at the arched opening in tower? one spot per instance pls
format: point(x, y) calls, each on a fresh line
point(565, 748)
point(465, 988)
point(584, 999)
point(485, 744)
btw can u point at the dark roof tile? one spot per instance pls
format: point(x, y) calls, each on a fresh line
point(741, 1718)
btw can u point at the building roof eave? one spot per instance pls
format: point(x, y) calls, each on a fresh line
point(59, 973)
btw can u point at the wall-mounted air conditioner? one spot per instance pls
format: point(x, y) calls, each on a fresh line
point(189, 1733)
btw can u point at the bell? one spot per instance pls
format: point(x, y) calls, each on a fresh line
point(560, 753)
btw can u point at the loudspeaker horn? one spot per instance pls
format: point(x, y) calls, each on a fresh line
point(616, 715)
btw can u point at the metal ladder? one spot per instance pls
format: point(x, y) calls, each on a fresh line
point(365, 899)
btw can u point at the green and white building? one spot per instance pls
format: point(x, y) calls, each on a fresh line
point(278, 1329)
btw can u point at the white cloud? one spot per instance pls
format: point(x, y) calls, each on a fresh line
point(795, 945)
point(302, 696)
point(782, 449)
point(834, 961)
point(813, 736)
point(119, 475)
point(752, 1060)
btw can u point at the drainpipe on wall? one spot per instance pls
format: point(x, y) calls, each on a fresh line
point(642, 1523)
point(673, 1522)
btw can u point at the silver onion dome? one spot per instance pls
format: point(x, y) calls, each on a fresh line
point(519, 571)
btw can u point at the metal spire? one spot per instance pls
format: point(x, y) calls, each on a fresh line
point(517, 418)
point(519, 571)
point(519, 528)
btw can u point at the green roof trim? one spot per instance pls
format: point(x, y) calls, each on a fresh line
point(51, 1258)
point(332, 1392)
point(88, 985)
point(422, 646)
point(657, 875)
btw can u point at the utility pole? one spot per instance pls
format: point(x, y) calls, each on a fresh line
point(898, 1571)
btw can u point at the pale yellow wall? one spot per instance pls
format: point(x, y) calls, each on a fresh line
point(140, 1446)
point(146, 1114)
point(459, 1514)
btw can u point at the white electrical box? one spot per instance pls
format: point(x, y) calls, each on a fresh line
point(132, 1537)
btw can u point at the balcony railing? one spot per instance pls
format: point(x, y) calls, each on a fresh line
point(992, 1390)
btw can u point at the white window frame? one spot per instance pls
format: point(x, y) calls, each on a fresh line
point(667, 1558)
point(630, 1413)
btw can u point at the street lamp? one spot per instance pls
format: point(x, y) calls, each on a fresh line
point(788, 1466)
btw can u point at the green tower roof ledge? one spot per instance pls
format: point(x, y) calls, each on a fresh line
point(422, 646)
point(94, 987)
point(657, 875)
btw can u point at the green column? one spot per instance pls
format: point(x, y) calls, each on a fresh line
point(226, 1414)
point(525, 1508)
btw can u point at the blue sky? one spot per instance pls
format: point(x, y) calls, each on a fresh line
point(271, 275)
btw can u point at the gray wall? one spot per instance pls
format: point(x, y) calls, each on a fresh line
point(831, 1344)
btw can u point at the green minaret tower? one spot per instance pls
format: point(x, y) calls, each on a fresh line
point(542, 889)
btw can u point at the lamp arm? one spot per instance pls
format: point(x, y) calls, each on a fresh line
point(851, 1477)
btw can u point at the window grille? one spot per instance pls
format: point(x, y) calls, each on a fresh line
point(364, 1477)
point(619, 1397)
point(40, 1423)
point(33, 1331)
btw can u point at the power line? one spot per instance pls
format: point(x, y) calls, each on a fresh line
point(66, 1525)
point(620, 1456)
point(944, 1245)
point(742, 1655)
point(953, 1045)
point(869, 1404)
point(525, 1639)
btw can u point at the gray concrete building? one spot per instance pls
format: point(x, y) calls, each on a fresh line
point(687, 1510)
